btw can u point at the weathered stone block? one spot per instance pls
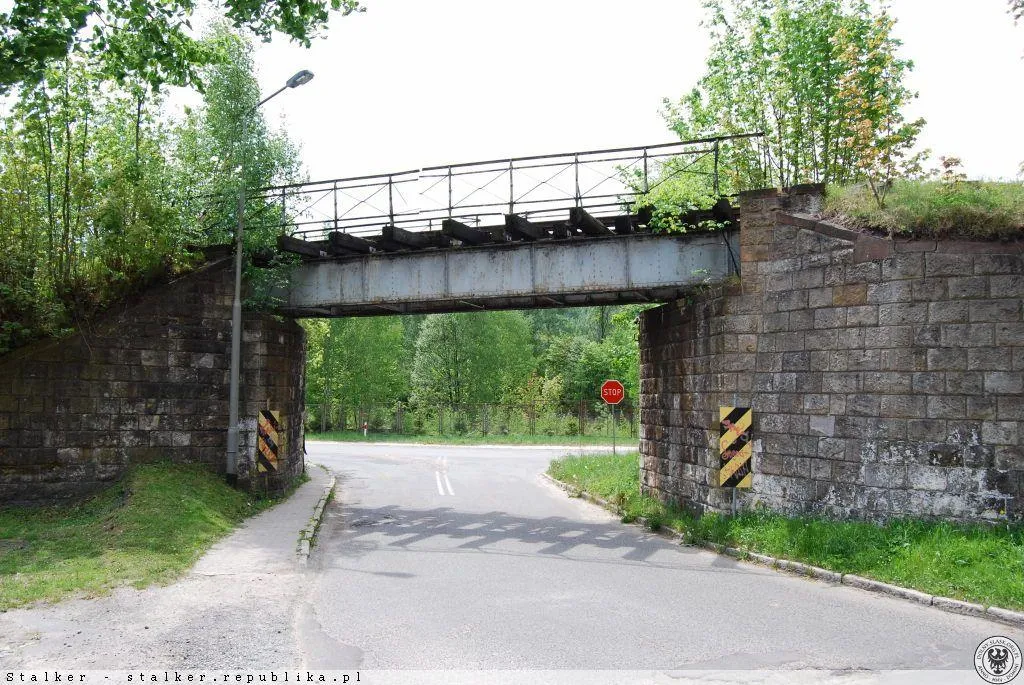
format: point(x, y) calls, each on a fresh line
point(926, 430)
point(927, 478)
point(956, 311)
point(862, 316)
point(1004, 310)
point(963, 382)
point(903, 266)
point(1007, 286)
point(989, 358)
point(969, 287)
point(1004, 382)
point(946, 407)
point(888, 292)
point(1000, 432)
point(980, 408)
point(903, 406)
point(938, 264)
point(902, 313)
point(1008, 334)
point(947, 359)
point(824, 426)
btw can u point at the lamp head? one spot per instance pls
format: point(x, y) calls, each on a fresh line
point(300, 79)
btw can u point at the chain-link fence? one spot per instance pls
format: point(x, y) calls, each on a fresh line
point(595, 420)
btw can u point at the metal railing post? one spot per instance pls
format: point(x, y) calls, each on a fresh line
point(391, 202)
point(511, 189)
point(576, 172)
point(716, 169)
point(647, 186)
point(449, 192)
point(335, 205)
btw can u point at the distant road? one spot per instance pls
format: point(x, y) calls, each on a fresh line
point(435, 557)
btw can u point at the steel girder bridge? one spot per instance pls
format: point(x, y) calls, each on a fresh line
point(569, 229)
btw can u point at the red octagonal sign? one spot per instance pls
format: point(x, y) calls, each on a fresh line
point(612, 392)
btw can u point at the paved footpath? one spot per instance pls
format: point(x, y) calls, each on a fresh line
point(236, 609)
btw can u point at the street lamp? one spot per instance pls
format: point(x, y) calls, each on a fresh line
point(301, 78)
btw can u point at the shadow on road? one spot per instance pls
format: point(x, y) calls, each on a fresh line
point(442, 529)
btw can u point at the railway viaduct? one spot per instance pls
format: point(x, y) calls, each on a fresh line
point(884, 377)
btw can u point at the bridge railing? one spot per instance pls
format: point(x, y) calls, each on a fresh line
point(540, 187)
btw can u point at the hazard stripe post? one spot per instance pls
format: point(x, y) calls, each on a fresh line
point(734, 471)
point(268, 441)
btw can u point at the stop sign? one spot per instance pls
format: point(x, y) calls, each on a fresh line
point(612, 392)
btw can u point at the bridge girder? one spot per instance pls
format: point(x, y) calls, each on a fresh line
point(543, 274)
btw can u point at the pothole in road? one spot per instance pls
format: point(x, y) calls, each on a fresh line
point(364, 521)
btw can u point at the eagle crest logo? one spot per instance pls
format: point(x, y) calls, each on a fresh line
point(998, 660)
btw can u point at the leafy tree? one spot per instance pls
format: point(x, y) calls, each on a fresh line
point(146, 40)
point(84, 215)
point(210, 148)
point(820, 78)
point(356, 362)
point(463, 358)
point(873, 95)
point(95, 188)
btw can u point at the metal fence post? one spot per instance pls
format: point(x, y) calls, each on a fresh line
point(716, 169)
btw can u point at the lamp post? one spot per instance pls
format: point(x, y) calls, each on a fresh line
point(301, 78)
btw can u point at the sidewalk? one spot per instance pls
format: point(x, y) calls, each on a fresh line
point(243, 593)
point(267, 543)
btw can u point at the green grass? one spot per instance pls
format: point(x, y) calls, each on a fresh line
point(471, 439)
point(979, 563)
point(933, 209)
point(146, 529)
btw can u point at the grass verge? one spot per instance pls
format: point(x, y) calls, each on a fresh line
point(978, 563)
point(145, 529)
point(984, 210)
point(470, 439)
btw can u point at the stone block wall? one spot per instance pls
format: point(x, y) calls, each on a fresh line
point(885, 377)
point(148, 381)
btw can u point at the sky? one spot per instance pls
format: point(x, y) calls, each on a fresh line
point(414, 83)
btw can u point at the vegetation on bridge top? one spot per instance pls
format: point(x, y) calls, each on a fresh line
point(934, 208)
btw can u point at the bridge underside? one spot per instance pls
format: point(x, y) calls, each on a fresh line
point(543, 274)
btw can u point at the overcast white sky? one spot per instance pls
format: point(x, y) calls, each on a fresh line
point(412, 83)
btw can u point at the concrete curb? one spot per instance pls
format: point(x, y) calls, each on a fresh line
point(307, 536)
point(949, 604)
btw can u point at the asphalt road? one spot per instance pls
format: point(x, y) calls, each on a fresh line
point(435, 557)
point(440, 558)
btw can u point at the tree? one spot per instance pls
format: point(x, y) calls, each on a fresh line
point(146, 40)
point(873, 95)
point(468, 358)
point(787, 68)
point(210, 145)
point(97, 189)
point(356, 362)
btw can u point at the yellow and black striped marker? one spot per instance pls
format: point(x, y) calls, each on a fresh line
point(268, 440)
point(734, 447)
